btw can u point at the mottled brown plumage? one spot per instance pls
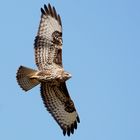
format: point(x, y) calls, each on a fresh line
point(50, 74)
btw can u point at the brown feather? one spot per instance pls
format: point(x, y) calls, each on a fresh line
point(46, 48)
point(23, 78)
point(54, 98)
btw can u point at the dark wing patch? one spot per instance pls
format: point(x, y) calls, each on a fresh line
point(60, 105)
point(58, 57)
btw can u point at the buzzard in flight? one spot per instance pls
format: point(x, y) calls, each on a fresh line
point(50, 74)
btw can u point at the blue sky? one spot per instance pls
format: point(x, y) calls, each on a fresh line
point(102, 51)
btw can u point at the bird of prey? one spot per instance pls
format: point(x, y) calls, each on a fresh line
point(50, 74)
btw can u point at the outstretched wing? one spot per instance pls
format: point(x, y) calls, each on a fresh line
point(60, 105)
point(48, 51)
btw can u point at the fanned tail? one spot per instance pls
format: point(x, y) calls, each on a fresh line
point(24, 78)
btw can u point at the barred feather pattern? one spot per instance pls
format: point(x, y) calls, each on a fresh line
point(23, 78)
point(45, 47)
point(61, 107)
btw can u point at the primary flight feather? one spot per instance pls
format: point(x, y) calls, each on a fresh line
point(50, 74)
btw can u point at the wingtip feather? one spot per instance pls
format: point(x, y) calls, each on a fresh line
point(42, 11)
point(49, 10)
point(78, 119)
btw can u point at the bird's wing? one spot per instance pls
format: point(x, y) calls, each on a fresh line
point(60, 105)
point(46, 50)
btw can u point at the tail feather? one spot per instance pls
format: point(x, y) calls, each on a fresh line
point(24, 80)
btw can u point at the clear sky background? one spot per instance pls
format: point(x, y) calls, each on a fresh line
point(102, 51)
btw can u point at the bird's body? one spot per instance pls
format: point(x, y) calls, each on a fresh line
point(50, 74)
point(54, 76)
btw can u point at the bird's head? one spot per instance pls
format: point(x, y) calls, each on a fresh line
point(66, 75)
